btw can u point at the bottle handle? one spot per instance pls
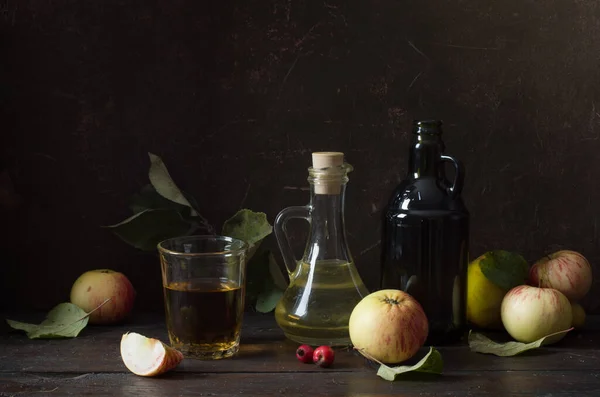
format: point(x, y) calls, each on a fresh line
point(281, 234)
point(459, 175)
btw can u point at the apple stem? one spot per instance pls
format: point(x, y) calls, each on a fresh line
point(98, 307)
point(560, 332)
point(391, 301)
point(362, 351)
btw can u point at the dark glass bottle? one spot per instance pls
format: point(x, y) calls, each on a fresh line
point(426, 235)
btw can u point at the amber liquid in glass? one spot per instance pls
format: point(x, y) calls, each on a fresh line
point(204, 317)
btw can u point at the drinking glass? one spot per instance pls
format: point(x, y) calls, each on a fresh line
point(204, 284)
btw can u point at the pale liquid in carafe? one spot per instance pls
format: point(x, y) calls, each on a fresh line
point(316, 307)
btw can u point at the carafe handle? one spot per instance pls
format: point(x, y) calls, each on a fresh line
point(281, 234)
point(459, 175)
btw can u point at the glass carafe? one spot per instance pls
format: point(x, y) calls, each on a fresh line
point(325, 284)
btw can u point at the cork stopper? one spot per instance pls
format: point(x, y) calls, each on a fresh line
point(327, 159)
point(329, 181)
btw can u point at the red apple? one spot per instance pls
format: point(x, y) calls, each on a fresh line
point(567, 271)
point(530, 313)
point(94, 287)
point(388, 325)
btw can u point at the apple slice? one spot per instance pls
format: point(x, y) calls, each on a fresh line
point(148, 356)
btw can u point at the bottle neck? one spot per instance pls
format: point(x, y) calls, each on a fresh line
point(424, 156)
point(327, 237)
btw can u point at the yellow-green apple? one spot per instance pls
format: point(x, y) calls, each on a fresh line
point(148, 356)
point(530, 313)
point(578, 315)
point(567, 271)
point(94, 287)
point(388, 325)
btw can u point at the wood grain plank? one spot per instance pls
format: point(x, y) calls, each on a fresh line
point(89, 355)
point(264, 349)
point(320, 383)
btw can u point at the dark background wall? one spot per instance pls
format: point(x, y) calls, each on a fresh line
point(235, 95)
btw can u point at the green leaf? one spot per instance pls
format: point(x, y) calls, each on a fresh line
point(249, 226)
point(276, 273)
point(65, 320)
point(432, 363)
point(268, 299)
point(257, 272)
point(146, 229)
point(504, 268)
point(149, 199)
point(263, 291)
point(163, 183)
point(480, 343)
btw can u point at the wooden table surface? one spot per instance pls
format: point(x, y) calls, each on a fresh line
point(90, 365)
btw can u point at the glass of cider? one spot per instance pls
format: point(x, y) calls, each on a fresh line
point(204, 283)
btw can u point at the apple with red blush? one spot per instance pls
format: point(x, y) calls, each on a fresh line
point(530, 313)
point(388, 326)
point(566, 271)
point(95, 287)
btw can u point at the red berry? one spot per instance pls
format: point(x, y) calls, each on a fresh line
point(304, 353)
point(323, 356)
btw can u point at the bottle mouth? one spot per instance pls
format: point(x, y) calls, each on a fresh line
point(427, 127)
point(330, 179)
point(333, 172)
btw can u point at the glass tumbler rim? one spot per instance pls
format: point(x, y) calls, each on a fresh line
point(240, 246)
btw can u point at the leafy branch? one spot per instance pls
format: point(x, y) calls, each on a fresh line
point(161, 210)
